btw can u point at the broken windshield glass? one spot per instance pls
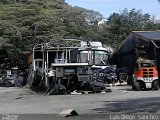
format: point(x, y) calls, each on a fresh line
point(95, 57)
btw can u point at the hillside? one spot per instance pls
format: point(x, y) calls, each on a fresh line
point(26, 22)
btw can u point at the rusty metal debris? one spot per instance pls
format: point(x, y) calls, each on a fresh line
point(12, 78)
point(64, 68)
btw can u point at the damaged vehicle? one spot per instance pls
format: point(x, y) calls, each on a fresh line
point(107, 75)
point(61, 68)
point(13, 78)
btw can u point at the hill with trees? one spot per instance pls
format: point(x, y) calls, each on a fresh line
point(24, 23)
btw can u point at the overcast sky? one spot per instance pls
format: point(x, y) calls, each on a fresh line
point(107, 7)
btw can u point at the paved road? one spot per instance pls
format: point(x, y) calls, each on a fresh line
point(121, 100)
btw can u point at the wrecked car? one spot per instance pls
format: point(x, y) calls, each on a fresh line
point(13, 78)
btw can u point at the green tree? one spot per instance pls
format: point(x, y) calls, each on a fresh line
point(119, 25)
point(26, 22)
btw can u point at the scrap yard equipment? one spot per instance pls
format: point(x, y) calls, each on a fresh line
point(140, 56)
point(67, 65)
point(146, 74)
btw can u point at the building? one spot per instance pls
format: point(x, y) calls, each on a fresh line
point(126, 56)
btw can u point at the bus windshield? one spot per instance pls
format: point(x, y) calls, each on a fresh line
point(95, 57)
point(101, 58)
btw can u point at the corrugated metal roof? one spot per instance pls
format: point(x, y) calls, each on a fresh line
point(150, 35)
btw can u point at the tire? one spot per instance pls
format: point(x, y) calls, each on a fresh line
point(133, 87)
point(136, 86)
point(155, 85)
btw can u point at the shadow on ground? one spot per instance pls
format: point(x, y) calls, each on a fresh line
point(143, 105)
point(129, 88)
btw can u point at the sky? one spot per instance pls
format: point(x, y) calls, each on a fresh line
point(107, 7)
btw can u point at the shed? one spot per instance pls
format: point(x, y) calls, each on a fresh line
point(125, 55)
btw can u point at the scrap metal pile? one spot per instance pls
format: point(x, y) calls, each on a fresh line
point(100, 78)
point(12, 78)
point(61, 68)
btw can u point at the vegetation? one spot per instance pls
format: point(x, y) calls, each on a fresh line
point(119, 25)
point(26, 22)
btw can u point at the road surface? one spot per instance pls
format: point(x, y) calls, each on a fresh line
point(122, 100)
